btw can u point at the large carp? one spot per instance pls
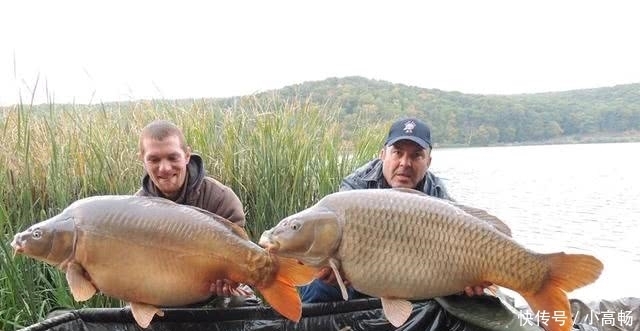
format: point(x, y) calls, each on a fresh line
point(153, 253)
point(399, 245)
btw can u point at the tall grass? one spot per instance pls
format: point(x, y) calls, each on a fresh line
point(279, 156)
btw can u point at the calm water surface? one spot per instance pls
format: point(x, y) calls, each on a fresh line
point(575, 198)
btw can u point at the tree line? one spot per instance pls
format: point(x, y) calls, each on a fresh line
point(471, 119)
point(455, 118)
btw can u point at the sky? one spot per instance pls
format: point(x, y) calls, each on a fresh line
point(97, 51)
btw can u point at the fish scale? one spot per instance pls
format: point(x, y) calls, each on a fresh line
point(400, 244)
point(153, 252)
point(423, 230)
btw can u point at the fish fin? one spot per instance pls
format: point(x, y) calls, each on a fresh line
point(238, 230)
point(143, 313)
point(81, 288)
point(567, 272)
point(409, 190)
point(283, 297)
point(296, 273)
point(336, 270)
point(235, 228)
point(397, 311)
point(476, 212)
point(282, 294)
point(485, 216)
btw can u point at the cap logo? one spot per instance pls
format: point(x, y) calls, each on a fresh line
point(409, 126)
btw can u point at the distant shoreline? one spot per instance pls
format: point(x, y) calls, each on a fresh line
point(596, 138)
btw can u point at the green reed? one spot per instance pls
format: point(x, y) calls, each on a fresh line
point(279, 155)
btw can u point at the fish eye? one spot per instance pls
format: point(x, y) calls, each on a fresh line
point(36, 234)
point(295, 226)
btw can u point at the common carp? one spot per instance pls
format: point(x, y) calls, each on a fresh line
point(400, 245)
point(152, 252)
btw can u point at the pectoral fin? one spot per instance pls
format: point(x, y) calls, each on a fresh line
point(143, 313)
point(81, 287)
point(397, 311)
point(336, 270)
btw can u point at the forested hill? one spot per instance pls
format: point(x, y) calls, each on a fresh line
point(471, 119)
point(589, 115)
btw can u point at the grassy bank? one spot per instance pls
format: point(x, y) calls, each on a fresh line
point(278, 155)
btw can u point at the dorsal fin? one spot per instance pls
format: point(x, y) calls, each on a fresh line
point(483, 215)
point(409, 190)
point(235, 228)
point(476, 212)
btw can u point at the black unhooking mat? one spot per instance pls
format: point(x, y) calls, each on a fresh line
point(361, 314)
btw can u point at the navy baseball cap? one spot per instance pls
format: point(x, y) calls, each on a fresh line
point(409, 129)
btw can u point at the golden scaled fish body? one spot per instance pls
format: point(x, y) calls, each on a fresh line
point(401, 245)
point(152, 252)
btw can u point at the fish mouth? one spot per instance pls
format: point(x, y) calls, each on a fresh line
point(272, 247)
point(17, 247)
point(268, 244)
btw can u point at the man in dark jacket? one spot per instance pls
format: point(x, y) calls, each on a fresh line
point(403, 162)
point(174, 173)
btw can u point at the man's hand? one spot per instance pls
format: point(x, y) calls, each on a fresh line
point(327, 276)
point(478, 289)
point(227, 288)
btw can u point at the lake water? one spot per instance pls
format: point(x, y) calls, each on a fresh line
point(581, 198)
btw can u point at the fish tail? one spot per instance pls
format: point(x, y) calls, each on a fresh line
point(282, 294)
point(567, 272)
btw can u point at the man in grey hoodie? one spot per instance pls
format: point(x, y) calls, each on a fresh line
point(173, 172)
